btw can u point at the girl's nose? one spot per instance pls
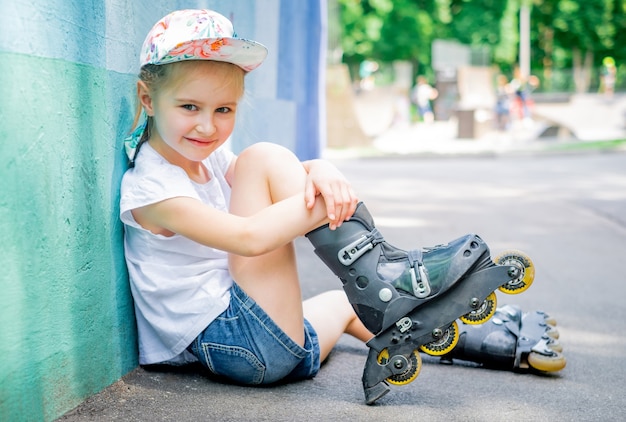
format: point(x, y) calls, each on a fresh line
point(205, 126)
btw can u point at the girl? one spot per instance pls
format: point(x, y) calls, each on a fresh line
point(198, 217)
point(208, 235)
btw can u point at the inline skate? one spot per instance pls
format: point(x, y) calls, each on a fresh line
point(511, 340)
point(410, 300)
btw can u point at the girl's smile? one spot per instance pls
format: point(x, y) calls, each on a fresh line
point(199, 142)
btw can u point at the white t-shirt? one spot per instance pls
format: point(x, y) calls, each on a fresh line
point(179, 286)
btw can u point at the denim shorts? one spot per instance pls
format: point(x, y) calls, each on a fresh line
point(245, 346)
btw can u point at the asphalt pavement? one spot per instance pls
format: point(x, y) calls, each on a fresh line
point(565, 207)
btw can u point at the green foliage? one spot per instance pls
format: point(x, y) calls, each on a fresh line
point(574, 25)
point(388, 30)
point(476, 22)
point(406, 34)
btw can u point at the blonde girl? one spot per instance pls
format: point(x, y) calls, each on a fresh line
point(208, 235)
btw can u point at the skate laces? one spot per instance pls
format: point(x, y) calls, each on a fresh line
point(419, 275)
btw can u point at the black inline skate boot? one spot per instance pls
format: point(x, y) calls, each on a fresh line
point(511, 340)
point(411, 299)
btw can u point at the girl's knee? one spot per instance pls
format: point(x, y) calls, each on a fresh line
point(272, 161)
point(266, 151)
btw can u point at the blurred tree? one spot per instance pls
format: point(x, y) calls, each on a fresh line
point(578, 30)
point(491, 25)
point(476, 22)
point(388, 30)
point(565, 34)
point(617, 49)
point(408, 31)
point(360, 22)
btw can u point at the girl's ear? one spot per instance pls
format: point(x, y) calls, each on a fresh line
point(145, 98)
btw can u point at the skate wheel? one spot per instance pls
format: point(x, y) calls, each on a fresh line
point(484, 311)
point(552, 332)
point(544, 363)
point(413, 369)
point(527, 271)
point(447, 341)
point(555, 345)
point(547, 318)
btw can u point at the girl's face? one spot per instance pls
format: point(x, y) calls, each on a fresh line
point(194, 111)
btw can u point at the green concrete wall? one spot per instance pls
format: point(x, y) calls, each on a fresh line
point(67, 79)
point(66, 317)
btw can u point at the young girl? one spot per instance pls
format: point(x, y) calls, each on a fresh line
point(198, 217)
point(208, 235)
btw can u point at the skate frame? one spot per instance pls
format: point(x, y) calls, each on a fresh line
point(417, 327)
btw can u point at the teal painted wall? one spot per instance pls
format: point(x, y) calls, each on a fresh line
point(67, 75)
point(65, 310)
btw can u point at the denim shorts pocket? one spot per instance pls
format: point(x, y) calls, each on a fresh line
point(233, 362)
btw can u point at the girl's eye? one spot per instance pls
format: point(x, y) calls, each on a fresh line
point(223, 110)
point(190, 107)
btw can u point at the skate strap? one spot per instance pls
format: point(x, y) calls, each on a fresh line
point(416, 256)
point(350, 253)
point(419, 276)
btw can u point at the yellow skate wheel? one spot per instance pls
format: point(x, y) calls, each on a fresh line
point(550, 320)
point(412, 371)
point(484, 311)
point(543, 363)
point(449, 338)
point(526, 267)
point(552, 332)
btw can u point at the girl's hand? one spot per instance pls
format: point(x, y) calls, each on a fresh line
point(326, 180)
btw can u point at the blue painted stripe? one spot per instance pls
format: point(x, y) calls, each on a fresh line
point(298, 71)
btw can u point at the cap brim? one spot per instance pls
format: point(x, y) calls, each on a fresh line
point(244, 53)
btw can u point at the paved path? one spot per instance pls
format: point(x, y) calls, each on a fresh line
point(568, 212)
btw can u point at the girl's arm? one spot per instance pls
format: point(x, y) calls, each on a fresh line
point(255, 235)
point(326, 180)
point(264, 231)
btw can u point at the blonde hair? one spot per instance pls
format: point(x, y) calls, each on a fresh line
point(156, 77)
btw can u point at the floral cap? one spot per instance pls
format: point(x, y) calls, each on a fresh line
point(199, 35)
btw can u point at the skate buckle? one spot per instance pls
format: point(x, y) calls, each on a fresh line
point(421, 288)
point(348, 254)
point(419, 278)
point(404, 324)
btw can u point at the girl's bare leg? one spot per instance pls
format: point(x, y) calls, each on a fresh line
point(265, 174)
point(331, 325)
